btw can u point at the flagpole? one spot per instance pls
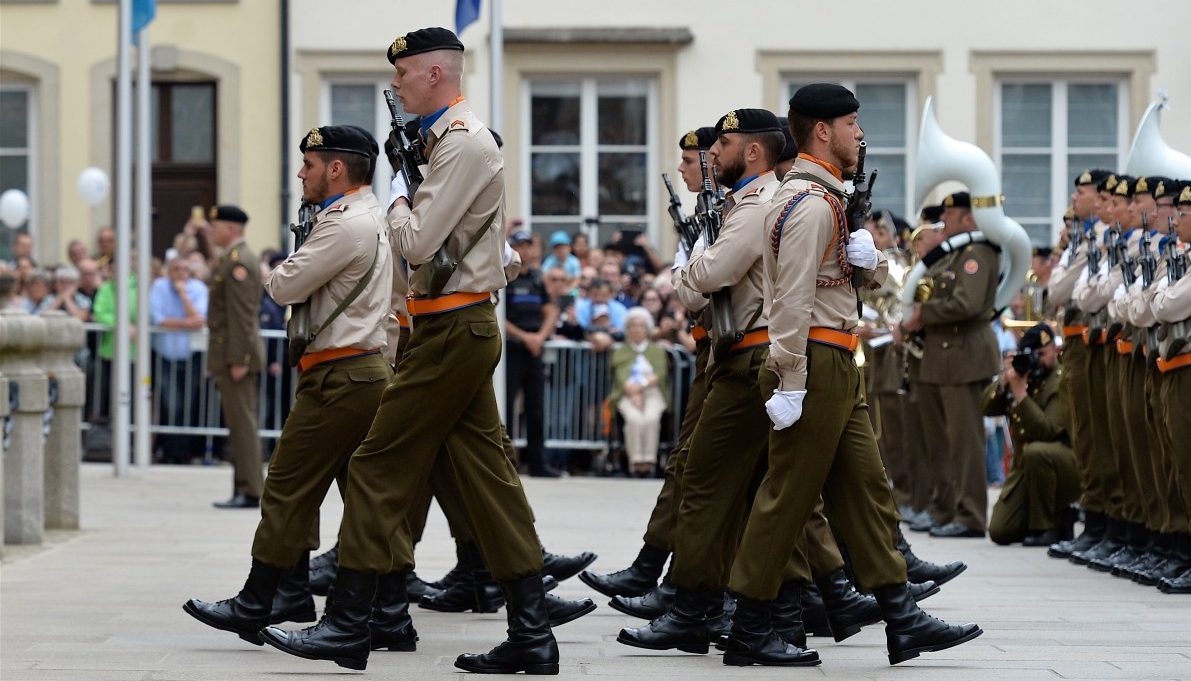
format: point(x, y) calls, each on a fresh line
point(120, 377)
point(144, 199)
point(496, 91)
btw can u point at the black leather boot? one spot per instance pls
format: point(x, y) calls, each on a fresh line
point(650, 606)
point(684, 627)
point(560, 610)
point(909, 631)
point(918, 570)
point(530, 647)
point(1143, 550)
point(814, 614)
point(920, 591)
point(1127, 553)
point(293, 601)
point(719, 620)
point(785, 614)
point(322, 570)
point(847, 610)
point(391, 627)
point(342, 635)
point(416, 587)
point(1111, 542)
point(635, 580)
point(754, 640)
point(1093, 532)
point(1144, 572)
point(1176, 585)
point(1172, 574)
point(565, 567)
point(454, 574)
point(472, 589)
point(248, 611)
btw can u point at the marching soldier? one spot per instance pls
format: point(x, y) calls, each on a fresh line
point(343, 273)
point(959, 357)
point(643, 574)
point(830, 450)
point(446, 372)
point(1034, 503)
point(234, 350)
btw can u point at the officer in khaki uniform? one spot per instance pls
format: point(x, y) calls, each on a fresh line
point(234, 350)
point(1086, 203)
point(1033, 507)
point(342, 370)
point(959, 358)
point(441, 403)
point(809, 258)
point(643, 574)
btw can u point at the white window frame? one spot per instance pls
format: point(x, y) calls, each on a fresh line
point(589, 150)
point(383, 174)
point(30, 153)
point(910, 151)
point(1060, 187)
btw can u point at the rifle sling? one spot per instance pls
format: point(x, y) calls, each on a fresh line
point(351, 297)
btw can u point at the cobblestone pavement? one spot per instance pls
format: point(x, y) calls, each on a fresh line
point(104, 604)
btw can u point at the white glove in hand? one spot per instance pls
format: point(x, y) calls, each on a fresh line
point(1065, 259)
point(862, 252)
point(507, 256)
point(681, 257)
point(785, 407)
point(1119, 293)
point(398, 188)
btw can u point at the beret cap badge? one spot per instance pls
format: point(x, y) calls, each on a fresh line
point(730, 121)
point(1185, 195)
point(315, 138)
point(1142, 186)
point(398, 45)
point(691, 139)
point(1086, 178)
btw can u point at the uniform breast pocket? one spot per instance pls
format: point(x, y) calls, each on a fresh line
point(483, 329)
point(369, 375)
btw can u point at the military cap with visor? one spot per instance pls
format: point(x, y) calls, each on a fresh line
point(699, 139)
point(423, 40)
point(748, 121)
point(824, 101)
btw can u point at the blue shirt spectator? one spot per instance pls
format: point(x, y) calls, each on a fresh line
point(167, 308)
point(601, 293)
point(561, 257)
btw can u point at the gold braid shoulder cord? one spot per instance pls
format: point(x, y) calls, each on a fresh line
point(840, 238)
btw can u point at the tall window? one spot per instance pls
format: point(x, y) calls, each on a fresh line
point(888, 115)
point(592, 143)
point(16, 152)
point(362, 102)
point(1048, 132)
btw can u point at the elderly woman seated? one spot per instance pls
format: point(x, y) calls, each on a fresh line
point(640, 390)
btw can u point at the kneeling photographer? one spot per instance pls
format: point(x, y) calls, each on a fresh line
point(1034, 506)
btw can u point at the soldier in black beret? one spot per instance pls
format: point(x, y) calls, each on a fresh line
point(750, 127)
point(334, 150)
point(423, 40)
point(818, 107)
point(693, 142)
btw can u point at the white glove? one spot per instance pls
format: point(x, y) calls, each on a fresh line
point(398, 187)
point(507, 256)
point(1136, 286)
point(1065, 259)
point(1119, 293)
point(862, 252)
point(785, 407)
point(1083, 277)
point(681, 257)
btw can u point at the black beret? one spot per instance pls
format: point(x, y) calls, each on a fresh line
point(1182, 192)
point(423, 40)
point(1092, 176)
point(1165, 186)
point(748, 121)
point(1149, 184)
point(228, 213)
point(1036, 337)
point(349, 139)
point(824, 101)
point(958, 200)
point(497, 138)
point(1124, 186)
point(932, 213)
point(699, 139)
point(791, 148)
point(1043, 251)
point(1107, 184)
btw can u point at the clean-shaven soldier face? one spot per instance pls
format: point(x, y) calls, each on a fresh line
point(688, 168)
point(1163, 212)
point(411, 83)
point(1142, 204)
point(1104, 210)
point(1084, 200)
point(1120, 211)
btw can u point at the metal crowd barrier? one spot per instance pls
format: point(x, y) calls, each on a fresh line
point(186, 403)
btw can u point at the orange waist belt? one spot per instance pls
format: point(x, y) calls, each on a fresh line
point(752, 339)
point(438, 305)
point(1098, 340)
point(1076, 330)
point(402, 320)
point(698, 332)
point(840, 339)
point(1124, 347)
point(311, 359)
point(1180, 361)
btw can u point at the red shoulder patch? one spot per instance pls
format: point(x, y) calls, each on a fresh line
point(240, 273)
point(971, 266)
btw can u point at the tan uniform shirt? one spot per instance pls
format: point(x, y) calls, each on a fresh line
point(794, 261)
point(233, 311)
point(1064, 276)
point(734, 260)
point(1139, 297)
point(1172, 302)
point(463, 192)
point(1086, 293)
point(347, 235)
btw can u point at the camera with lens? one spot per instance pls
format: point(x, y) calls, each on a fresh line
point(1024, 362)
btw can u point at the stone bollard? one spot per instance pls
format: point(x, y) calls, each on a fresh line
point(63, 447)
point(24, 476)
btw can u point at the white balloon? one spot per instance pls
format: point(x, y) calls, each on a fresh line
point(14, 208)
point(93, 186)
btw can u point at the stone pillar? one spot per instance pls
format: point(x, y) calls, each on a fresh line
point(63, 447)
point(24, 476)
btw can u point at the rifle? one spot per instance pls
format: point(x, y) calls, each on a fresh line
point(1129, 265)
point(1149, 269)
point(709, 220)
point(860, 206)
point(297, 327)
point(687, 231)
point(1176, 269)
point(412, 153)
